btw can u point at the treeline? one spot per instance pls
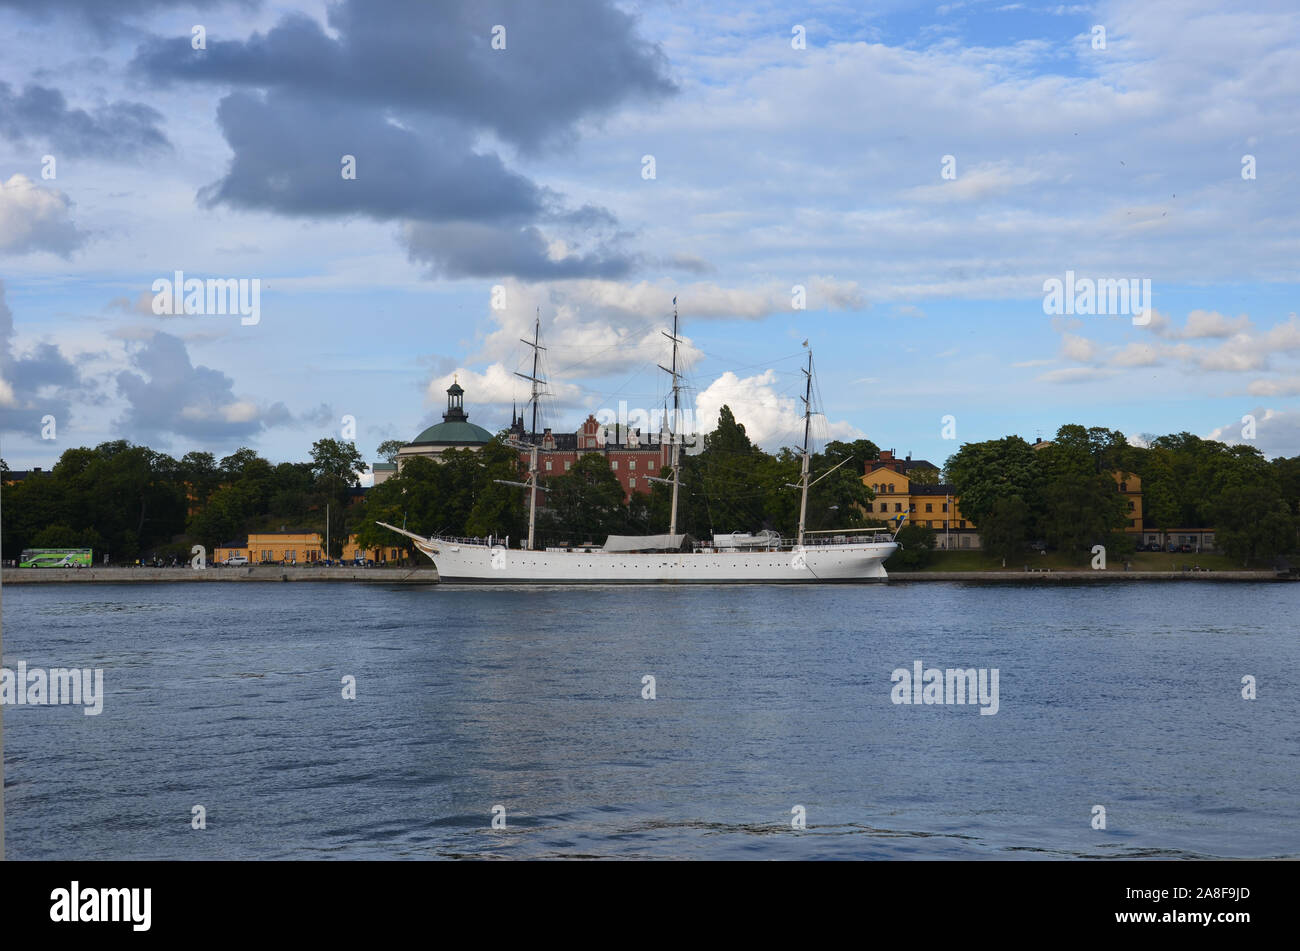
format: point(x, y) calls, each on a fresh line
point(132, 502)
point(1066, 496)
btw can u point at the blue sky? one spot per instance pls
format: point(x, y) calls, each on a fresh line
point(524, 168)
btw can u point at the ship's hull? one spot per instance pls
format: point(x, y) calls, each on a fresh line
point(820, 564)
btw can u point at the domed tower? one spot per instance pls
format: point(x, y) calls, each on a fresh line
point(454, 432)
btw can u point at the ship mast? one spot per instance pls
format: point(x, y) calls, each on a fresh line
point(672, 522)
point(537, 382)
point(807, 421)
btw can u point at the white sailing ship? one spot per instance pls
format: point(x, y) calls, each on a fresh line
point(672, 558)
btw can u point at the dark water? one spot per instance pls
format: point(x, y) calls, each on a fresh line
point(229, 696)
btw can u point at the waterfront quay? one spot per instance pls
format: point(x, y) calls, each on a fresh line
point(246, 573)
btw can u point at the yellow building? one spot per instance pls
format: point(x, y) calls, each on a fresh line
point(930, 505)
point(1130, 484)
point(298, 548)
point(351, 552)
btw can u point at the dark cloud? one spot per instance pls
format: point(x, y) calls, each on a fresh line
point(170, 396)
point(111, 16)
point(288, 159)
point(467, 249)
point(41, 383)
point(561, 62)
point(689, 263)
point(322, 416)
point(408, 88)
point(117, 130)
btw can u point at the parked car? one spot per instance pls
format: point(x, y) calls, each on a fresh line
point(235, 561)
point(1187, 548)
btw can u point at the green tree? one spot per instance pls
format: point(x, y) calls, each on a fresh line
point(389, 448)
point(585, 504)
point(499, 510)
point(916, 548)
point(201, 474)
point(1005, 531)
point(1252, 520)
point(984, 472)
point(1082, 505)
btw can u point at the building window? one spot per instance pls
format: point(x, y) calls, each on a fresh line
point(631, 483)
point(614, 465)
point(929, 507)
point(891, 487)
point(631, 463)
point(869, 507)
point(567, 464)
point(963, 523)
point(945, 506)
point(548, 465)
point(898, 506)
point(1123, 486)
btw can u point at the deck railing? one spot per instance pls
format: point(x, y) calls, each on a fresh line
point(870, 536)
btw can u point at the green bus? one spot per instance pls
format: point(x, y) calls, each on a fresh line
point(56, 558)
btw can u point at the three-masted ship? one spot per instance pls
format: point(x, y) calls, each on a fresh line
point(673, 558)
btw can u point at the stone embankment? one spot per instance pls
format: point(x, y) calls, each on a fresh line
point(214, 573)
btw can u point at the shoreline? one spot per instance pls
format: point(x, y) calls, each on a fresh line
point(1084, 576)
point(259, 573)
point(278, 573)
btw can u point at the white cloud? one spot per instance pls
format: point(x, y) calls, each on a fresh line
point(1075, 375)
point(1284, 387)
point(1201, 324)
point(1136, 355)
point(496, 386)
point(1277, 432)
point(33, 218)
point(982, 181)
point(1074, 347)
point(771, 419)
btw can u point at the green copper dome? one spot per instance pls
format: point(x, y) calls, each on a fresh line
point(455, 428)
point(459, 433)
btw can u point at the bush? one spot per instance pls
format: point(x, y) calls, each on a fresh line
point(916, 547)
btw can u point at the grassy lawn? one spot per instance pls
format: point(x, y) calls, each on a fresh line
point(1142, 561)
